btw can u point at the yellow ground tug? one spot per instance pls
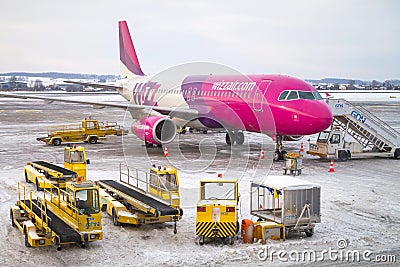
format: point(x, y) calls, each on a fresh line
point(58, 216)
point(217, 210)
point(143, 197)
point(89, 131)
point(45, 174)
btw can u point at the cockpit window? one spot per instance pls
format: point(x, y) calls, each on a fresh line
point(306, 95)
point(317, 96)
point(293, 95)
point(283, 95)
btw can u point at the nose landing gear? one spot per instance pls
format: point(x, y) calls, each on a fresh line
point(279, 154)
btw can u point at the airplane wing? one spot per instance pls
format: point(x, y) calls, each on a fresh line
point(137, 111)
point(97, 85)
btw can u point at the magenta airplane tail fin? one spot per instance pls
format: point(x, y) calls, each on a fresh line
point(127, 54)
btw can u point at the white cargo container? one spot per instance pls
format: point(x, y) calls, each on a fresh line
point(286, 200)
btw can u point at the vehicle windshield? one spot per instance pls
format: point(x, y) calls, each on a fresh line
point(87, 201)
point(218, 191)
point(163, 181)
point(323, 137)
point(169, 180)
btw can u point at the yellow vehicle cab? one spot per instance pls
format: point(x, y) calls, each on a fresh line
point(217, 212)
point(162, 178)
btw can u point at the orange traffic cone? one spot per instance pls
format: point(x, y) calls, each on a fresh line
point(262, 156)
point(331, 169)
point(166, 151)
point(301, 149)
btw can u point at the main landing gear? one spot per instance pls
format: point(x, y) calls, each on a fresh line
point(232, 137)
point(279, 154)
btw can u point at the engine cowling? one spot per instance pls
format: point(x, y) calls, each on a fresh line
point(155, 130)
point(292, 137)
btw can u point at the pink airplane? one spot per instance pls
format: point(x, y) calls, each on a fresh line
point(282, 107)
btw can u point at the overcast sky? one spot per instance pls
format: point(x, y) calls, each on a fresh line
point(306, 39)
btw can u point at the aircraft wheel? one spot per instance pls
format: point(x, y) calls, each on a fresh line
point(240, 138)
point(277, 155)
point(228, 139)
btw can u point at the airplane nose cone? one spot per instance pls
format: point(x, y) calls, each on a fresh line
point(325, 117)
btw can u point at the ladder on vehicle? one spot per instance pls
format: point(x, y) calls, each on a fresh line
point(367, 129)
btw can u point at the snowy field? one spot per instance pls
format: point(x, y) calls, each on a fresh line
point(359, 206)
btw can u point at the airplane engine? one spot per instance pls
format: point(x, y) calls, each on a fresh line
point(155, 130)
point(292, 137)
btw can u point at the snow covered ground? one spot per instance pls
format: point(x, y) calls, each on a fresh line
point(359, 205)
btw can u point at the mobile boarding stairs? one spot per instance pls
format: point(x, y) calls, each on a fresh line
point(376, 136)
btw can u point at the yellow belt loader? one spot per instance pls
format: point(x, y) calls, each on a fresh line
point(45, 174)
point(217, 212)
point(60, 217)
point(143, 197)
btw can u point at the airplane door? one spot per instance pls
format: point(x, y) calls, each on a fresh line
point(260, 95)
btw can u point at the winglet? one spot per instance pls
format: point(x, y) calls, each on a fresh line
point(128, 57)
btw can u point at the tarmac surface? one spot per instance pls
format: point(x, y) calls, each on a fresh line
point(359, 204)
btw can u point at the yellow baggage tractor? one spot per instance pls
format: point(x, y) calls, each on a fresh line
point(217, 212)
point(88, 131)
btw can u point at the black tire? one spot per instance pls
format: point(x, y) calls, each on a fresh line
point(93, 140)
point(397, 153)
point(56, 142)
point(286, 231)
point(26, 178)
point(115, 219)
point(12, 218)
point(26, 239)
point(38, 188)
point(229, 140)
point(229, 240)
point(205, 132)
point(309, 232)
point(343, 155)
point(201, 240)
point(277, 155)
point(240, 138)
point(283, 155)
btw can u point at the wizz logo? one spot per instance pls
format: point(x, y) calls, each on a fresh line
point(144, 93)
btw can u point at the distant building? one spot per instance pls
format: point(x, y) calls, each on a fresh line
point(17, 85)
